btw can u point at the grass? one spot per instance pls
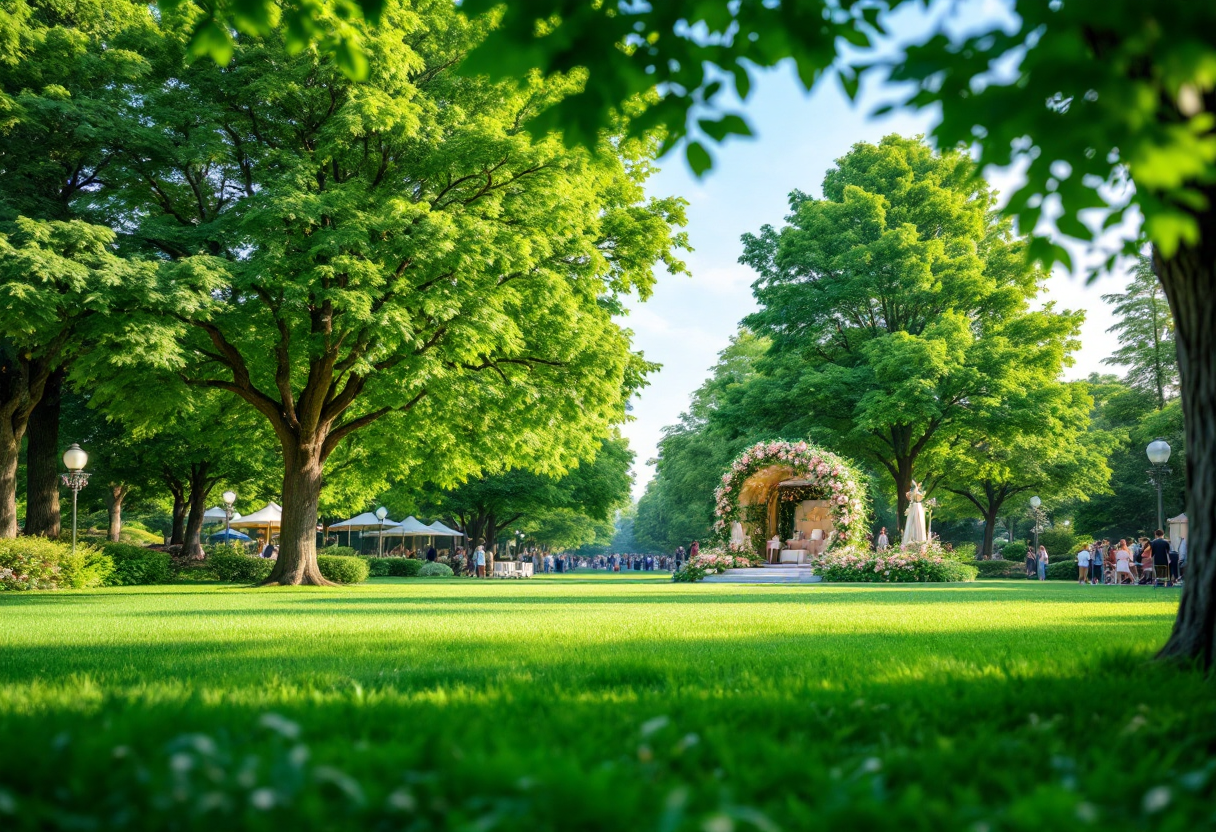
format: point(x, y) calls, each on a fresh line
point(601, 702)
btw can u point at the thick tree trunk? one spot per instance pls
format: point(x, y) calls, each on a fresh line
point(989, 533)
point(297, 563)
point(903, 484)
point(115, 494)
point(200, 489)
point(177, 533)
point(10, 447)
point(42, 462)
point(1189, 279)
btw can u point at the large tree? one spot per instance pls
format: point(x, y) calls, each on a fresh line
point(58, 282)
point(400, 251)
point(561, 510)
point(1037, 439)
point(1145, 329)
point(898, 309)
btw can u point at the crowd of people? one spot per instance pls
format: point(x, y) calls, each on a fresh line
point(1132, 562)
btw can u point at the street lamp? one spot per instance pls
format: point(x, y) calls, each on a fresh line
point(229, 499)
point(381, 513)
point(74, 459)
point(1036, 513)
point(1159, 454)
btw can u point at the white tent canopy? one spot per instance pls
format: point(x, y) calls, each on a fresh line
point(271, 516)
point(440, 530)
point(408, 527)
point(217, 513)
point(366, 520)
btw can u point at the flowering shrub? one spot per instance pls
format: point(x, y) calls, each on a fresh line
point(38, 563)
point(711, 561)
point(915, 563)
point(838, 480)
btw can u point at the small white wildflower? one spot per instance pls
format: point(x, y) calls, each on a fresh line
point(1157, 798)
point(654, 725)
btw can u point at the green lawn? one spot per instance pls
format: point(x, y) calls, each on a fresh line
point(601, 702)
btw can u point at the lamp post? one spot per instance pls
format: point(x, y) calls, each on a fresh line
point(931, 504)
point(229, 498)
point(1159, 454)
point(381, 513)
point(1036, 514)
point(74, 459)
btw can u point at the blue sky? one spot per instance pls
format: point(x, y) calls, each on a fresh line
point(690, 319)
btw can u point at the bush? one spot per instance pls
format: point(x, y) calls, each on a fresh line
point(1001, 568)
point(962, 551)
point(1012, 550)
point(229, 563)
point(393, 567)
point(136, 565)
point(1062, 570)
point(926, 563)
point(339, 551)
point(435, 570)
point(1060, 541)
point(39, 563)
point(343, 569)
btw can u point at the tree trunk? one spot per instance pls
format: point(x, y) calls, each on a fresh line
point(903, 484)
point(115, 494)
point(989, 533)
point(297, 563)
point(1189, 279)
point(42, 461)
point(10, 447)
point(200, 489)
point(177, 533)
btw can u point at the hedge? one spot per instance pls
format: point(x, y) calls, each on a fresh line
point(1014, 550)
point(39, 563)
point(230, 564)
point(1062, 570)
point(393, 567)
point(134, 565)
point(1000, 568)
point(435, 570)
point(339, 551)
point(343, 569)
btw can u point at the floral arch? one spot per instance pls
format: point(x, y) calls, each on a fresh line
point(768, 474)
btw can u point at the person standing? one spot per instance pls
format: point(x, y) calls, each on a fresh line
point(1160, 548)
point(1095, 563)
point(1123, 563)
point(694, 549)
point(1042, 563)
point(1181, 558)
point(883, 540)
point(479, 560)
point(1083, 565)
point(1031, 563)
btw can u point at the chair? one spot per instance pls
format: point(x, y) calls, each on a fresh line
point(1161, 574)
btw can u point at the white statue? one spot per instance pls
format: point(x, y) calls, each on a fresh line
point(914, 529)
point(736, 534)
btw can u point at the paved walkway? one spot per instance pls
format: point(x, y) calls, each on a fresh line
point(772, 574)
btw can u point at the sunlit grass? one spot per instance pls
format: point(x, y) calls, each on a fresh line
point(617, 702)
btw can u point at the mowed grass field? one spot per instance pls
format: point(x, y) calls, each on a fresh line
point(601, 702)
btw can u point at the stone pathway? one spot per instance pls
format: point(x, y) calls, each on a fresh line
point(774, 574)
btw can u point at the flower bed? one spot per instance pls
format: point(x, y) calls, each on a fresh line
point(713, 561)
point(916, 563)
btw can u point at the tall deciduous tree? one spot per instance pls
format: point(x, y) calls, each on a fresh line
point(339, 254)
point(898, 308)
point(56, 280)
point(562, 509)
point(1145, 329)
point(1037, 439)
